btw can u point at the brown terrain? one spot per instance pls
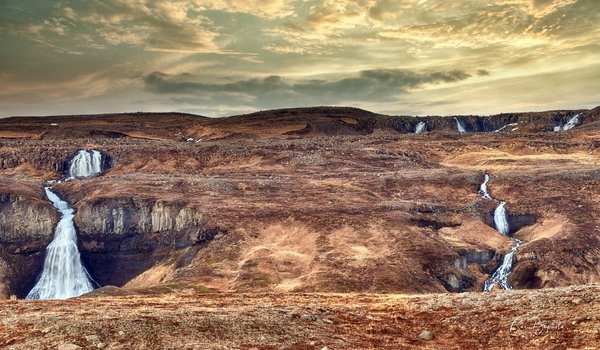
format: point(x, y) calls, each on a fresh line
point(304, 229)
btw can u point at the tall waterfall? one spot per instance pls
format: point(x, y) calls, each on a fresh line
point(501, 219)
point(459, 126)
point(571, 123)
point(483, 190)
point(86, 163)
point(421, 127)
point(64, 275)
point(500, 276)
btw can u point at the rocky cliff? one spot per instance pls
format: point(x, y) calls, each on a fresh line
point(122, 237)
point(26, 226)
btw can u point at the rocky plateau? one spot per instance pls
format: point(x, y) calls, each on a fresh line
point(296, 206)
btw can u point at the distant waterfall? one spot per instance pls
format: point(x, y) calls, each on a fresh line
point(86, 163)
point(571, 123)
point(459, 126)
point(501, 219)
point(483, 190)
point(63, 276)
point(500, 276)
point(421, 127)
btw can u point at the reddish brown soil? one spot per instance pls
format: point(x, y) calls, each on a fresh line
point(565, 318)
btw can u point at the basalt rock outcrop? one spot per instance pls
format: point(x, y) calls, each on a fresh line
point(122, 237)
point(26, 224)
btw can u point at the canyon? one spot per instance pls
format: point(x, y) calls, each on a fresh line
point(315, 201)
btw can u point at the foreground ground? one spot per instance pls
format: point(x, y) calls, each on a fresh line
point(562, 318)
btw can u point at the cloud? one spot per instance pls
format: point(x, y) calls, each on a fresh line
point(260, 8)
point(368, 85)
point(369, 53)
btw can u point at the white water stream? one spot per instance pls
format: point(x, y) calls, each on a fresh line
point(420, 127)
point(500, 275)
point(571, 123)
point(64, 275)
point(483, 190)
point(459, 126)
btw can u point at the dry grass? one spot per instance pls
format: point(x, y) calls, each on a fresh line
point(549, 319)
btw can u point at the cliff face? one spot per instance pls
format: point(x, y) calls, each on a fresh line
point(122, 237)
point(25, 224)
point(117, 218)
point(26, 227)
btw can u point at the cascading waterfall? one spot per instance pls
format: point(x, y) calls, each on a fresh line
point(86, 163)
point(420, 127)
point(483, 190)
point(501, 219)
point(459, 126)
point(64, 275)
point(500, 276)
point(571, 123)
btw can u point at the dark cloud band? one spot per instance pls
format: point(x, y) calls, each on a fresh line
point(368, 85)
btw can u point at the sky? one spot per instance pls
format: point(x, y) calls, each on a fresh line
point(226, 57)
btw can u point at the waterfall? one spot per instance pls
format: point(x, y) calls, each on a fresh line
point(86, 163)
point(483, 190)
point(500, 276)
point(501, 220)
point(506, 126)
point(421, 127)
point(459, 126)
point(63, 275)
point(500, 214)
point(571, 123)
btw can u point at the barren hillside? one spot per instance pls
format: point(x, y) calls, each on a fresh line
point(306, 200)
